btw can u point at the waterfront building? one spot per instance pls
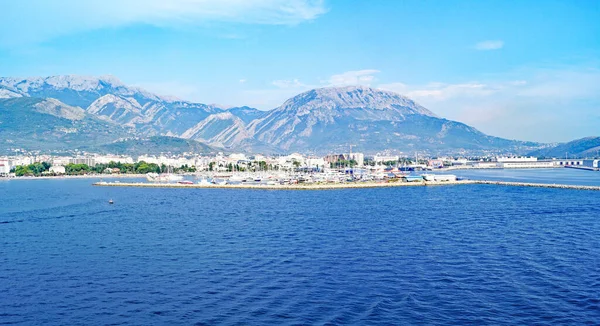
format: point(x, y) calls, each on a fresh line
point(89, 161)
point(314, 162)
point(435, 164)
point(359, 158)
point(4, 167)
point(485, 165)
point(385, 158)
point(105, 159)
point(515, 159)
point(568, 162)
point(58, 169)
point(526, 164)
point(60, 161)
point(23, 160)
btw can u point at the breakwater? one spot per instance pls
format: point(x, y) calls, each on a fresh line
point(538, 185)
point(299, 186)
point(325, 186)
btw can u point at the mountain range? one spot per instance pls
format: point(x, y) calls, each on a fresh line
point(579, 148)
point(66, 112)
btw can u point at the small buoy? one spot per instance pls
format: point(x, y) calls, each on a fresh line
point(111, 202)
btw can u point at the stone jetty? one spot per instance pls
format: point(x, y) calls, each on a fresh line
point(537, 185)
point(349, 185)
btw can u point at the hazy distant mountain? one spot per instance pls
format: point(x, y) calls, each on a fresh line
point(580, 148)
point(75, 90)
point(153, 146)
point(321, 120)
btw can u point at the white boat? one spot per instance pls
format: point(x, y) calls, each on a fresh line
point(204, 182)
point(439, 177)
point(164, 177)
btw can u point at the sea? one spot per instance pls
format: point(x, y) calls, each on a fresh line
point(442, 255)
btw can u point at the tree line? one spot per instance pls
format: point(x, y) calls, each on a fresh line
point(43, 168)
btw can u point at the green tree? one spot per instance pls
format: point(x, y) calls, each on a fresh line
point(143, 168)
point(23, 170)
point(46, 166)
point(74, 169)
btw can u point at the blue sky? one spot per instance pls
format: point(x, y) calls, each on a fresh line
point(517, 69)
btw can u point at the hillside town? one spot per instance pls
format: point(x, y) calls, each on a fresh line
point(91, 164)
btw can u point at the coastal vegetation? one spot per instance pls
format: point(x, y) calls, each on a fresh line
point(35, 169)
point(43, 168)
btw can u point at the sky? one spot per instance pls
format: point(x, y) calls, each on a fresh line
point(527, 70)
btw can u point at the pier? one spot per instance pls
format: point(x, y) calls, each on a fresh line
point(587, 168)
point(350, 185)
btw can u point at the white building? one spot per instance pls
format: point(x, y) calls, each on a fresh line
point(358, 157)
point(58, 169)
point(60, 161)
point(568, 162)
point(23, 160)
point(385, 158)
point(105, 159)
point(315, 162)
point(459, 161)
point(526, 164)
point(89, 161)
point(4, 167)
point(485, 165)
point(505, 159)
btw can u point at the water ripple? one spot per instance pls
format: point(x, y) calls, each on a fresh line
point(476, 255)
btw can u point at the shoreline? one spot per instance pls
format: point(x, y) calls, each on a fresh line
point(86, 176)
point(344, 185)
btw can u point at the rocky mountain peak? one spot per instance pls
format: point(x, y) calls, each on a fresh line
point(73, 82)
point(353, 97)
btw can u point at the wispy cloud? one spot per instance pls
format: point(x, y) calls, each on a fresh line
point(48, 19)
point(442, 91)
point(288, 83)
point(489, 45)
point(356, 77)
point(527, 104)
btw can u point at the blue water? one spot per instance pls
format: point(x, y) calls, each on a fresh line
point(559, 175)
point(466, 254)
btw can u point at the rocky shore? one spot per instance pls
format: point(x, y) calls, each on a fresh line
point(324, 186)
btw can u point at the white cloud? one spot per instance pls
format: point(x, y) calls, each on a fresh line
point(288, 83)
point(552, 104)
point(489, 45)
point(48, 19)
point(243, 81)
point(358, 77)
point(441, 91)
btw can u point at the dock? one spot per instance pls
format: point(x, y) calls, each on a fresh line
point(355, 185)
point(578, 167)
